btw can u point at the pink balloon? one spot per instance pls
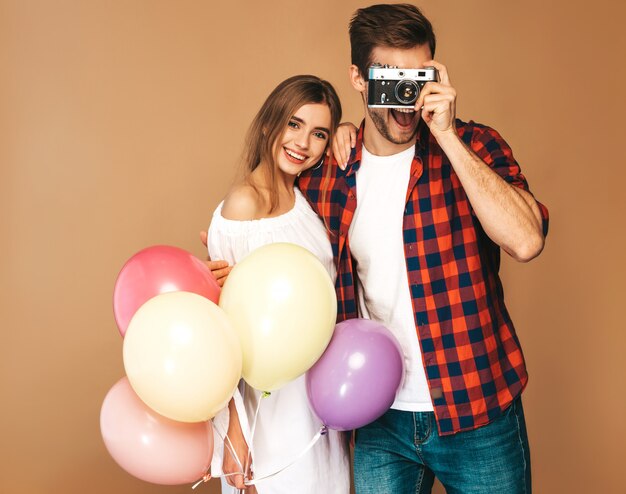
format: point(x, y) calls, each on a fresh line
point(155, 270)
point(149, 446)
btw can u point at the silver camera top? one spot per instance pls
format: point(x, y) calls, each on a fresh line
point(390, 73)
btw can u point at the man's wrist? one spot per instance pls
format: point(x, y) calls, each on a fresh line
point(447, 137)
point(459, 155)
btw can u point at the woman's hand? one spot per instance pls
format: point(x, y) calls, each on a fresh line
point(343, 142)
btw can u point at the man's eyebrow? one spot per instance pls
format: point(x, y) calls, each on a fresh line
point(299, 120)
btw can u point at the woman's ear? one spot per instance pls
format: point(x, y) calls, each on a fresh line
point(356, 79)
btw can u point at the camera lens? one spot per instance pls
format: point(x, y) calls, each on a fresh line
point(407, 91)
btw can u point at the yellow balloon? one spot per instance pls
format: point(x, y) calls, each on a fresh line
point(282, 304)
point(182, 356)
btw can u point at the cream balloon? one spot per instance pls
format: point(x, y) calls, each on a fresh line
point(282, 304)
point(182, 356)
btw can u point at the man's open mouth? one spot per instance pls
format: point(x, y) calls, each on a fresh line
point(404, 117)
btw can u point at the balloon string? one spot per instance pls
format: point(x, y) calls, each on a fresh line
point(264, 394)
point(231, 450)
point(208, 477)
point(323, 430)
point(228, 444)
point(204, 479)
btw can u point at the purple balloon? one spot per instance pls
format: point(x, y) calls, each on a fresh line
point(356, 380)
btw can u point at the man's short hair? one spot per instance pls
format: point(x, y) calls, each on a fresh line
point(391, 25)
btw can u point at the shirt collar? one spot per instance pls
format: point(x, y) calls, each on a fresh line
point(354, 162)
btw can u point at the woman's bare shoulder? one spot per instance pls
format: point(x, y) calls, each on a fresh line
point(243, 203)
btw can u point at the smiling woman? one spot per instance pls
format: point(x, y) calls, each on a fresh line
point(290, 133)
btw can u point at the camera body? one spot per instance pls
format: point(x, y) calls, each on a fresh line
point(391, 87)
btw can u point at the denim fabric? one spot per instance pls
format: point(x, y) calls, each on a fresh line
point(402, 452)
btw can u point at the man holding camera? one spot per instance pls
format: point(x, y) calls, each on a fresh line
point(418, 215)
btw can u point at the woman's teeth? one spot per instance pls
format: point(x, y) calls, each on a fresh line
point(295, 155)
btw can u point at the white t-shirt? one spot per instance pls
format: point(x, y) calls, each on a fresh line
point(377, 245)
point(285, 423)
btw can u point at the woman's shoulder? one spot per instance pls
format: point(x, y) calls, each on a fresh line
point(243, 203)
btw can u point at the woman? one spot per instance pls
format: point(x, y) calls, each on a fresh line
point(291, 133)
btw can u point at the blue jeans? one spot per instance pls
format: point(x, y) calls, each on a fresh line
point(402, 452)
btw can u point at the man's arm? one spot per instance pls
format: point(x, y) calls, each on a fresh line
point(509, 215)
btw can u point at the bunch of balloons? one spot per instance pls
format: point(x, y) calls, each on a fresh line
point(182, 361)
point(184, 354)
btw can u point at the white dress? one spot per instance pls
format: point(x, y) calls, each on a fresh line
point(285, 424)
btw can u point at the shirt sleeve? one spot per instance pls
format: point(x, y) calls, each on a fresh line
point(227, 240)
point(490, 147)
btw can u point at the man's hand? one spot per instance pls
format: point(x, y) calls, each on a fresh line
point(220, 269)
point(437, 102)
point(343, 142)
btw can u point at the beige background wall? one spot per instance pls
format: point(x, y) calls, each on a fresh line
point(120, 127)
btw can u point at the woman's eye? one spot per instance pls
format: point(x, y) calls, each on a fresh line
point(320, 135)
point(293, 125)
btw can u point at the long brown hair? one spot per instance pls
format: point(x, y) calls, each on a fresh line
point(270, 122)
point(391, 25)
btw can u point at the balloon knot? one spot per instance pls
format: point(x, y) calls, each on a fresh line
point(324, 430)
point(265, 394)
point(206, 478)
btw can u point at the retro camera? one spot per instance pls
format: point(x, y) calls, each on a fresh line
point(391, 87)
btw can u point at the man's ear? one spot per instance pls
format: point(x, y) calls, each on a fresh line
point(356, 79)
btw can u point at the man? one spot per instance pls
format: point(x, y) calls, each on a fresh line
point(417, 220)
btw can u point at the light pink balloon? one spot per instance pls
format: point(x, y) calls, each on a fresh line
point(149, 446)
point(155, 270)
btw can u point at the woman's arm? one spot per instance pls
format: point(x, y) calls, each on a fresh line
point(230, 464)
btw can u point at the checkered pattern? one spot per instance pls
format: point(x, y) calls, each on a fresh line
point(469, 347)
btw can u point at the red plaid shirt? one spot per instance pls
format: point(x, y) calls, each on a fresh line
point(469, 347)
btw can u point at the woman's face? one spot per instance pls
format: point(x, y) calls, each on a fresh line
point(305, 139)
